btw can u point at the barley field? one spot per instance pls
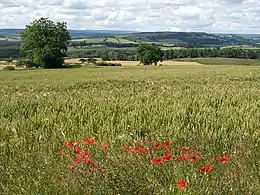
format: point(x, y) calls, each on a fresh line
point(131, 130)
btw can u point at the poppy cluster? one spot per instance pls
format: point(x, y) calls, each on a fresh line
point(81, 158)
point(158, 153)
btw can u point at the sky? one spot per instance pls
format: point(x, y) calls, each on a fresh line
point(223, 16)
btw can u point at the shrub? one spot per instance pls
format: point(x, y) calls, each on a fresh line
point(25, 63)
point(9, 60)
point(9, 68)
point(82, 60)
point(72, 66)
point(108, 64)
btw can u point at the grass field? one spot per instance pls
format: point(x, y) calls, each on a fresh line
point(223, 61)
point(211, 109)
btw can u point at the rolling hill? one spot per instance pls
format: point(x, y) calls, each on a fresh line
point(160, 38)
point(189, 38)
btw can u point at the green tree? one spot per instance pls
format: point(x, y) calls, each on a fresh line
point(149, 54)
point(45, 43)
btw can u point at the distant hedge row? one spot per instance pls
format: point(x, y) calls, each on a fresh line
point(131, 54)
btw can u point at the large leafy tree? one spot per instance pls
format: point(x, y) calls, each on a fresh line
point(45, 43)
point(149, 54)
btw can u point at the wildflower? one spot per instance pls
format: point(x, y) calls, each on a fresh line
point(77, 159)
point(135, 149)
point(126, 148)
point(61, 153)
point(167, 156)
point(182, 157)
point(86, 172)
point(184, 148)
point(157, 161)
point(224, 159)
point(68, 144)
point(89, 142)
point(105, 145)
point(77, 143)
point(197, 155)
point(192, 159)
point(166, 145)
point(142, 151)
point(72, 167)
point(206, 169)
point(76, 150)
point(157, 145)
point(88, 161)
point(139, 146)
point(182, 184)
point(148, 141)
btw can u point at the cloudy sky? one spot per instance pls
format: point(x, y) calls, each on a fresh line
point(240, 16)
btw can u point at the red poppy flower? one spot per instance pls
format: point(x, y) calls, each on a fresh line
point(148, 141)
point(142, 151)
point(157, 161)
point(135, 149)
point(182, 157)
point(224, 159)
point(192, 159)
point(166, 145)
point(72, 167)
point(86, 172)
point(88, 161)
point(61, 153)
point(89, 142)
point(68, 144)
point(105, 145)
point(197, 154)
point(184, 148)
point(76, 150)
point(167, 156)
point(126, 148)
point(182, 184)
point(207, 169)
point(139, 145)
point(211, 158)
point(157, 145)
point(77, 159)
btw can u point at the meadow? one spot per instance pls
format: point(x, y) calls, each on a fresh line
point(123, 115)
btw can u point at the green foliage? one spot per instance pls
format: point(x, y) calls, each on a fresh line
point(149, 54)
point(92, 61)
point(25, 63)
point(9, 68)
point(10, 60)
point(107, 64)
point(45, 42)
point(82, 60)
point(9, 52)
point(66, 65)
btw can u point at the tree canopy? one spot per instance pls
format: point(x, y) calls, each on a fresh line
point(149, 54)
point(45, 43)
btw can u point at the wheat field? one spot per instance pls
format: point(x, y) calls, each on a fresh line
point(211, 109)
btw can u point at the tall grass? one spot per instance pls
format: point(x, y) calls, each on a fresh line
point(212, 109)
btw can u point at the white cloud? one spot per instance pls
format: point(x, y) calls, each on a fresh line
point(241, 16)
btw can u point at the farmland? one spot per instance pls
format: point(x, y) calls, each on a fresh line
point(212, 109)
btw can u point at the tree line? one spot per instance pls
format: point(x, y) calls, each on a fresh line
point(131, 54)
